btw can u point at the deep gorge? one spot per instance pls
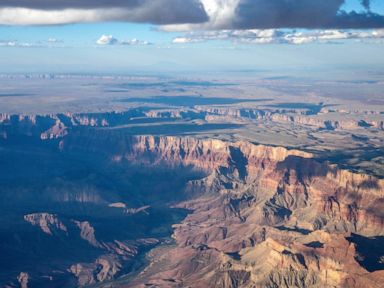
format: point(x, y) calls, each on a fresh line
point(240, 214)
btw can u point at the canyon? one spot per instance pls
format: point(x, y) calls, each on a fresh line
point(89, 201)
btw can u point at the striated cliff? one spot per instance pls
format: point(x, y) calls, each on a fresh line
point(53, 126)
point(263, 217)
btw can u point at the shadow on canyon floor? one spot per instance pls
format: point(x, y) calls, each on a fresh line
point(370, 251)
point(80, 188)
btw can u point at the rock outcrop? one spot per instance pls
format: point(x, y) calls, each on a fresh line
point(104, 268)
point(48, 223)
point(23, 279)
point(53, 126)
point(87, 232)
point(263, 217)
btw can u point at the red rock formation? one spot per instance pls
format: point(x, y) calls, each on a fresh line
point(263, 217)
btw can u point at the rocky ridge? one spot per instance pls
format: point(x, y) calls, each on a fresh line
point(54, 126)
point(262, 217)
point(257, 203)
point(260, 203)
point(115, 253)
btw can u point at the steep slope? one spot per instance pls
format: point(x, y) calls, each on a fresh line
point(263, 217)
point(260, 216)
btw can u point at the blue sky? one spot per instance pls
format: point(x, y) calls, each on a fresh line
point(76, 50)
point(84, 34)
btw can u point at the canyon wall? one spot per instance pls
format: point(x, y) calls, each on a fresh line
point(52, 126)
point(263, 217)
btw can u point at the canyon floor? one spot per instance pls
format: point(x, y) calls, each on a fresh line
point(191, 182)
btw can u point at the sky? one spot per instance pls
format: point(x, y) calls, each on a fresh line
point(123, 36)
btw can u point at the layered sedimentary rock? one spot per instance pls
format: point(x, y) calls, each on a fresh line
point(52, 126)
point(263, 217)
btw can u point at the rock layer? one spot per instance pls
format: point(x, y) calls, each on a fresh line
point(263, 217)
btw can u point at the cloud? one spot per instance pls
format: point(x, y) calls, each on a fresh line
point(47, 12)
point(110, 40)
point(67, 4)
point(194, 14)
point(106, 40)
point(273, 14)
point(276, 36)
point(315, 14)
point(15, 43)
point(184, 40)
point(286, 14)
point(134, 42)
point(53, 40)
point(366, 4)
point(50, 42)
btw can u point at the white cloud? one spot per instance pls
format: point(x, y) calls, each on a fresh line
point(53, 40)
point(26, 16)
point(110, 40)
point(221, 14)
point(134, 41)
point(50, 42)
point(106, 40)
point(183, 40)
point(14, 43)
point(275, 36)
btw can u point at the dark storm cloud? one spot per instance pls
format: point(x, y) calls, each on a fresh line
point(167, 12)
point(152, 11)
point(65, 4)
point(366, 4)
point(248, 14)
point(302, 14)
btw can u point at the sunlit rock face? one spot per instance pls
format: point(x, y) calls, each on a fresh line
point(258, 216)
point(48, 223)
point(287, 217)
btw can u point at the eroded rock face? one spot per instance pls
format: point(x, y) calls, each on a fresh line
point(114, 255)
point(204, 154)
point(87, 232)
point(54, 126)
point(48, 223)
point(104, 268)
point(264, 217)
